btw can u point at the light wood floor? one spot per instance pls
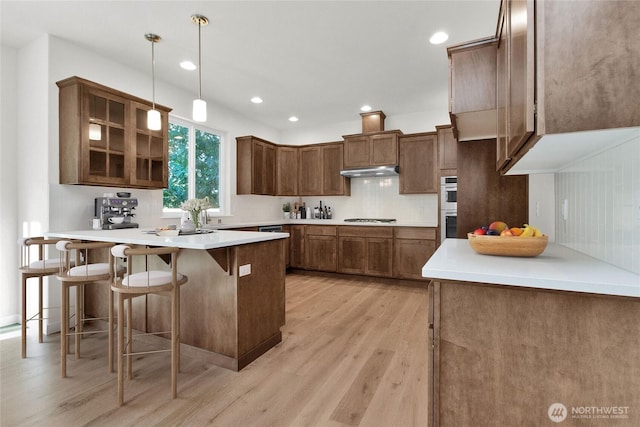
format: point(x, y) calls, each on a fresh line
point(353, 354)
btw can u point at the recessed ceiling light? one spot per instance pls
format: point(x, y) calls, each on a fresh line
point(293, 119)
point(256, 100)
point(365, 108)
point(188, 65)
point(439, 37)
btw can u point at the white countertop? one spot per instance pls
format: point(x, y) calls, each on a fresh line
point(557, 268)
point(213, 226)
point(140, 236)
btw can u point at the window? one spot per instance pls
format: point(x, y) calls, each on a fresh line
point(194, 165)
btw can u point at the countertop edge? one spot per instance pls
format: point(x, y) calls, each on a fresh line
point(559, 268)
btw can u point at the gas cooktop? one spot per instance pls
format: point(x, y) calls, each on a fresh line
point(384, 220)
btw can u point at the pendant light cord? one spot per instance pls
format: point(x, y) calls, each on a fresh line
point(153, 73)
point(199, 59)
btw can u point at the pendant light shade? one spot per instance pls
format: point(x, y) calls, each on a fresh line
point(154, 121)
point(199, 105)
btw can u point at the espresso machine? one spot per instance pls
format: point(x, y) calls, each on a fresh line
point(115, 212)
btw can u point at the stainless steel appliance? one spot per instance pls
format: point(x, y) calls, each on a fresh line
point(115, 212)
point(448, 207)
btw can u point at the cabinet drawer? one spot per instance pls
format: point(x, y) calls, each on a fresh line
point(357, 231)
point(415, 233)
point(320, 230)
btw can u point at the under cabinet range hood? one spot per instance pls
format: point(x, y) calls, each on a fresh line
point(391, 170)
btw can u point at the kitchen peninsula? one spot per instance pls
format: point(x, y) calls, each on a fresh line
point(513, 338)
point(233, 305)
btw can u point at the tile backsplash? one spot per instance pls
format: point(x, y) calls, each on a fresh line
point(598, 205)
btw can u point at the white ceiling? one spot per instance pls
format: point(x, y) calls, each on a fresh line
point(318, 60)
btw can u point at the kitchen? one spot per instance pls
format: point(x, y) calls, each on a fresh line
point(67, 206)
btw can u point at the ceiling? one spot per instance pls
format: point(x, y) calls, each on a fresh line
point(318, 60)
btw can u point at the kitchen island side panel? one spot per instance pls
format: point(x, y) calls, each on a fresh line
point(504, 355)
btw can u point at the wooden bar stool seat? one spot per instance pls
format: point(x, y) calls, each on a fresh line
point(31, 266)
point(82, 274)
point(142, 283)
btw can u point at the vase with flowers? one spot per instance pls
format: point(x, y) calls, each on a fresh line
point(195, 207)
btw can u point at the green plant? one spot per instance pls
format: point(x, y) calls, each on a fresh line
point(286, 207)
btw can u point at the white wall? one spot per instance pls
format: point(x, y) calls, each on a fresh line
point(9, 278)
point(603, 205)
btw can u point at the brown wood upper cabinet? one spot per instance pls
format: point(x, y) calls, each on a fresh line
point(286, 170)
point(550, 78)
point(419, 163)
point(256, 166)
point(319, 173)
point(472, 89)
point(375, 149)
point(447, 151)
point(125, 153)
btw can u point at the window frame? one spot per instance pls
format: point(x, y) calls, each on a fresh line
point(223, 189)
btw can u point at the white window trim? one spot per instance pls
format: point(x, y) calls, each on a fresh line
point(224, 196)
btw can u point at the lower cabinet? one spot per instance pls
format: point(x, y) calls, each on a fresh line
point(413, 247)
point(365, 250)
point(395, 252)
point(296, 246)
point(320, 248)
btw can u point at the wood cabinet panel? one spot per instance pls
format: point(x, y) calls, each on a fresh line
point(356, 151)
point(334, 184)
point(125, 154)
point(365, 250)
point(320, 252)
point(376, 149)
point(413, 246)
point(502, 88)
point(286, 171)
point(419, 173)
point(310, 183)
point(447, 151)
point(296, 246)
point(521, 74)
point(484, 195)
point(472, 89)
point(255, 166)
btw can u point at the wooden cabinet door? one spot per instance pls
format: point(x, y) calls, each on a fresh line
point(310, 174)
point(352, 255)
point(320, 253)
point(502, 88)
point(384, 149)
point(333, 184)
point(418, 164)
point(286, 171)
point(447, 151)
point(105, 161)
point(269, 170)
point(356, 151)
point(257, 166)
point(296, 246)
point(413, 246)
point(521, 73)
point(149, 165)
point(379, 256)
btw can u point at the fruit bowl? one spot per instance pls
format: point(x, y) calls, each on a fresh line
point(508, 245)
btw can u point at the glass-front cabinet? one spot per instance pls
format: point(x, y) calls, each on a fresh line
point(104, 138)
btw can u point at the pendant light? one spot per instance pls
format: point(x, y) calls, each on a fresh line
point(154, 122)
point(95, 132)
point(199, 105)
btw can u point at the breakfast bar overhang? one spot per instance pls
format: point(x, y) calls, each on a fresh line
point(233, 305)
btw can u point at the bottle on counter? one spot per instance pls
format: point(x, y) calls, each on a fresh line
point(329, 214)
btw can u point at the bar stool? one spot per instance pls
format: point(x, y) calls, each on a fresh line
point(159, 282)
point(84, 273)
point(40, 268)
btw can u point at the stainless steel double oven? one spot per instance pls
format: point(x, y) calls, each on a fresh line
point(448, 207)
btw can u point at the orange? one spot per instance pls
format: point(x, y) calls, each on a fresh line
point(516, 231)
